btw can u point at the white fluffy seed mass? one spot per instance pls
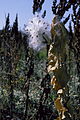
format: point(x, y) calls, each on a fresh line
point(38, 32)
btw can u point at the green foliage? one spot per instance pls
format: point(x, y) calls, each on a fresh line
point(25, 89)
point(42, 54)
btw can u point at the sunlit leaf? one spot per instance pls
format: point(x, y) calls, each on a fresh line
point(60, 91)
point(58, 118)
point(59, 105)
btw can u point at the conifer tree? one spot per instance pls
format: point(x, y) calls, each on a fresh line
point(15, 29)
point(7, 25)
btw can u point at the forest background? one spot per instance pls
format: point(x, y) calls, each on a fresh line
point(25, 89)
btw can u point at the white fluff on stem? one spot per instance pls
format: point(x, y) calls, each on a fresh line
point(37, 29)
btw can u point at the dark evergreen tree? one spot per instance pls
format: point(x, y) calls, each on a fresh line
point(7, 25)
point(15, 29)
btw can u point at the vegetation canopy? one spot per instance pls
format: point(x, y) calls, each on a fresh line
point(40, 65)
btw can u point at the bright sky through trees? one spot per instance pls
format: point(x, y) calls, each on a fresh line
point(24, 10)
